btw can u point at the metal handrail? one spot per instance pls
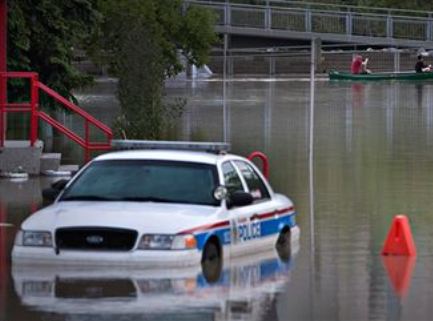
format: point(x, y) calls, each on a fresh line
point(385, 25)
point(33, 108)
point(313, 5)
point(74, 108)
point(386, 12)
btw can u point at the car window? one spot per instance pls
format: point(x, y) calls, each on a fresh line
point(146, 180)
point(255, 184)
point(231, 178)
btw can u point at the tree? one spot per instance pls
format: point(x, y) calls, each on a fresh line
point(142, 40)
point(43, 35)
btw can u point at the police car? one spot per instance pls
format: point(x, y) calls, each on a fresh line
point(158, 204)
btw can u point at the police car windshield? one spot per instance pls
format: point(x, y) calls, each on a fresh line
point(145, 181)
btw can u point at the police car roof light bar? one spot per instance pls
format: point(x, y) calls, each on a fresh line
point(209, 147)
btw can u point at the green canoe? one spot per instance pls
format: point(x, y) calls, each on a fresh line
point(404, 75)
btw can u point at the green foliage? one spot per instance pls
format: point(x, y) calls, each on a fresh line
point(140, 75)
point(196, 35)
point(400, 4)
point(172, 28)
point(142, 40)
point(42, 36)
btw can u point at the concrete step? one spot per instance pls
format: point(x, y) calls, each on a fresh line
point(19, 155)
point(50, 162)
point(64, 171)
point(69, 168)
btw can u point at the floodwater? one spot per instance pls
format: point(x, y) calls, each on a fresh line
point(373, 159)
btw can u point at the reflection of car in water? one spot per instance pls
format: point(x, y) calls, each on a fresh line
point(161, 208)
point(240, 292)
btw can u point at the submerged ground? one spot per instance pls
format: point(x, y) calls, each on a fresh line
point(373, 158)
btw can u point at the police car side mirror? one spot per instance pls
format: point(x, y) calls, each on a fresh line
point(51, 193)
point(241, 198)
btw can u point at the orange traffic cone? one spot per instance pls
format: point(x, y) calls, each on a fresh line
point(399, 240)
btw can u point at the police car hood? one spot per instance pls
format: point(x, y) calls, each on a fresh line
point(147, 217)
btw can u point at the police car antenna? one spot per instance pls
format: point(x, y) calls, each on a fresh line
point(209, 147)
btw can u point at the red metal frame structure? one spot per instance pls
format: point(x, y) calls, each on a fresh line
point(265, 162)
point(33, 108)
point(3, 68)
point(3, 61)
point(30, 106)
point(3, 34)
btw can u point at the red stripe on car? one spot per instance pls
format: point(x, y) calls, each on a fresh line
point(227, 222)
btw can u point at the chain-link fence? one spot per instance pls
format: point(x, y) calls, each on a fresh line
point(276, 62)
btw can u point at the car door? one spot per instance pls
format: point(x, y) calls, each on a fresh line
point(236, 215)
point(244, 220)
point(262, 209)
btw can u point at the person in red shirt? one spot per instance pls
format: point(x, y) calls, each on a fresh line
point(356, 67)
point(359, 65)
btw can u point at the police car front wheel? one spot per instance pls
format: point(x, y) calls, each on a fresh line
point(211, 261)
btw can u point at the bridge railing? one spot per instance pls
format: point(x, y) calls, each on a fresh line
point(319, 6)
point(320, 18)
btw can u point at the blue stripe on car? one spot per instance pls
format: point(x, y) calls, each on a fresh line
point(267, 227)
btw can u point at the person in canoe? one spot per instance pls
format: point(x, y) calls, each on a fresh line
point(420, 66)
point(359, 65)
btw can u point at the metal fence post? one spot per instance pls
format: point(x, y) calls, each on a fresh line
point(228, 61)
point(226, 40)
point(349, 23)
point(268, 16)
point(3, 83)
point(231, 66)
point(227, 16)
point(87, 139)
point(3, 68)
point(397, 61)
point(308, 22)
point(272, 65)
point(389, 26)
point(429, 28)
point(317, 49)
point(34, 102)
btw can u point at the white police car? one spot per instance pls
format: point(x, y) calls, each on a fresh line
point(173, 204)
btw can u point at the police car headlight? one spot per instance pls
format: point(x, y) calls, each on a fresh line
point(34, 238)
point(167, 242)
point(184, 242)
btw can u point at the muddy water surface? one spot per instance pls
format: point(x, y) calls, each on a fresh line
point(373, 158)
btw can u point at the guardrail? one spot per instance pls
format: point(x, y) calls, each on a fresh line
point(319, 18)
point(32, 107)
point(326, 6)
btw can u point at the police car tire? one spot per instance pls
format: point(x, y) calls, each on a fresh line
point(210, 252)
point(284, 244)
point(211, 262)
